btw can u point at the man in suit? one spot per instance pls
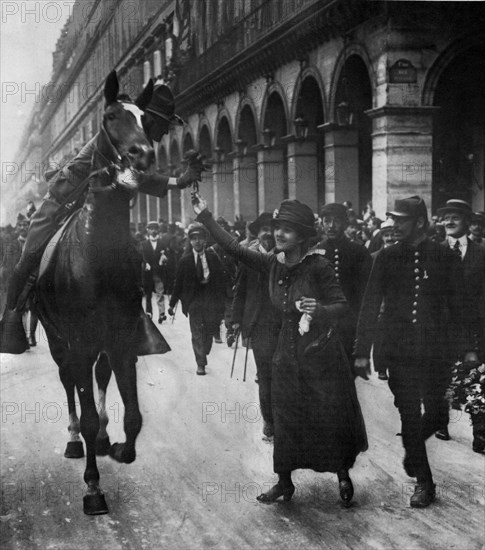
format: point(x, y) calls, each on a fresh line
point(421, 283)
point(374, 228)
point(200, 286)
point(254, 314)
point(457, 216)
point(351, 262)
point(154, 260)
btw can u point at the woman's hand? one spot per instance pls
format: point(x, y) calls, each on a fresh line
point(199, 204)
point(308, 305)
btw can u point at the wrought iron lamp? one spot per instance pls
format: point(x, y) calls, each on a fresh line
point(301, 128)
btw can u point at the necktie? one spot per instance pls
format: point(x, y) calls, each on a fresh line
point(199, 269)
point(456, 249)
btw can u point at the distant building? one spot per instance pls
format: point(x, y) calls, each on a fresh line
point(320, 100)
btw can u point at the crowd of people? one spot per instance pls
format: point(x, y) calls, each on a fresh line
point(313, 294)
point(318, 302)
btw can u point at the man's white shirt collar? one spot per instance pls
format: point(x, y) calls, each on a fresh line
point(463, 243)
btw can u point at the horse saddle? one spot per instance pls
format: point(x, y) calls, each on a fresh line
point(148, 338)
point(49, 252)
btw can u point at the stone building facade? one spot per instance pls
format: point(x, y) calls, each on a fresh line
point(319, 100)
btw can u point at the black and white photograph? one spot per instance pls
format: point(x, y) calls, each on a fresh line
point(242, 274)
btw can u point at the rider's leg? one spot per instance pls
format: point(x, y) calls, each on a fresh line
point(42, 227)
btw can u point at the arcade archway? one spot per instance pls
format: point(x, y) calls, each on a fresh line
point(459, 130)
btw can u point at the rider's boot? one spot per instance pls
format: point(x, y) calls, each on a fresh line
point(149, 339)
point(12, 333)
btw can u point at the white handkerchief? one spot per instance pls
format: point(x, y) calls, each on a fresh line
point(305, 320)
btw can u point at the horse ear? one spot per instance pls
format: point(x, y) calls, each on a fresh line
point(111, 88)
point(143, 100)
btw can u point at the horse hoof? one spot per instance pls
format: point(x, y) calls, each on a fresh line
point(74, 449)
point(103, 446)
point(94, 505)
point(119, 453)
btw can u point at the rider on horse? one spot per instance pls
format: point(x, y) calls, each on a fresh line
point(66, 194)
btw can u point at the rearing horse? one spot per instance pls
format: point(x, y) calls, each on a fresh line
point(88, 296)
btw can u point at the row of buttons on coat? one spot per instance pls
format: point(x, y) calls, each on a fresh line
point(417, 280)
point(285, 282)
point(336, 264)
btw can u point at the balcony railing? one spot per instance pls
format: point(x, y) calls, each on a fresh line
point(244, 33)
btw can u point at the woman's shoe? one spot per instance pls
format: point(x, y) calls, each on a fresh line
point(276, 492)
point(346, 491)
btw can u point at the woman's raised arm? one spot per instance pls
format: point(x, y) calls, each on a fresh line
point(252, 258)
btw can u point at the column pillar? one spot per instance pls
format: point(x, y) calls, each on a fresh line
point(303, 171)
point(224, 187)
point(402, 148)
point(271, 178)
point(341, 163)
point(245, 186)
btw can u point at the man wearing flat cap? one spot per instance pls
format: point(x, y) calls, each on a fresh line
point(457, 216)
point(255, 315)
point(421, 283)
point(352, 264)
point(200, 286)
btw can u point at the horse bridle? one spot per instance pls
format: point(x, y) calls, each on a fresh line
point(124, 164)
point(106, 170)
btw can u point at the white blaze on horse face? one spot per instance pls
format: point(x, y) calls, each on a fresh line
point(135, 110)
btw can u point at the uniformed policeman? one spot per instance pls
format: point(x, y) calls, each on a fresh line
point(421, 283)
point(352, 264)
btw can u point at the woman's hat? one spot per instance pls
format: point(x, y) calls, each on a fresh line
point(295, 213)
point(456, 206)
point(162, 104)
point(263, 219)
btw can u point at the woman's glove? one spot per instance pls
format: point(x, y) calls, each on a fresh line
point(199, 204)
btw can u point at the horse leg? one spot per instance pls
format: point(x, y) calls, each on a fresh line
point(81, 368)
point(103, 374)
point(123, 365)
point(74, 448)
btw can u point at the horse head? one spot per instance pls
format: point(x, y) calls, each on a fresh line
point(122, 122)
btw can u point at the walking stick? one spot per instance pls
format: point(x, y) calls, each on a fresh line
point(246, 359)
point(235, 351)
point(174, 312)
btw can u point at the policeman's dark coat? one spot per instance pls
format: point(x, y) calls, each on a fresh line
point(352, 263)
point(423, 292)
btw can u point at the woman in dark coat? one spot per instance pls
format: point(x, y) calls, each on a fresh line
point(317, 419)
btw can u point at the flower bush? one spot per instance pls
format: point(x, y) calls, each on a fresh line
point(468, 388)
